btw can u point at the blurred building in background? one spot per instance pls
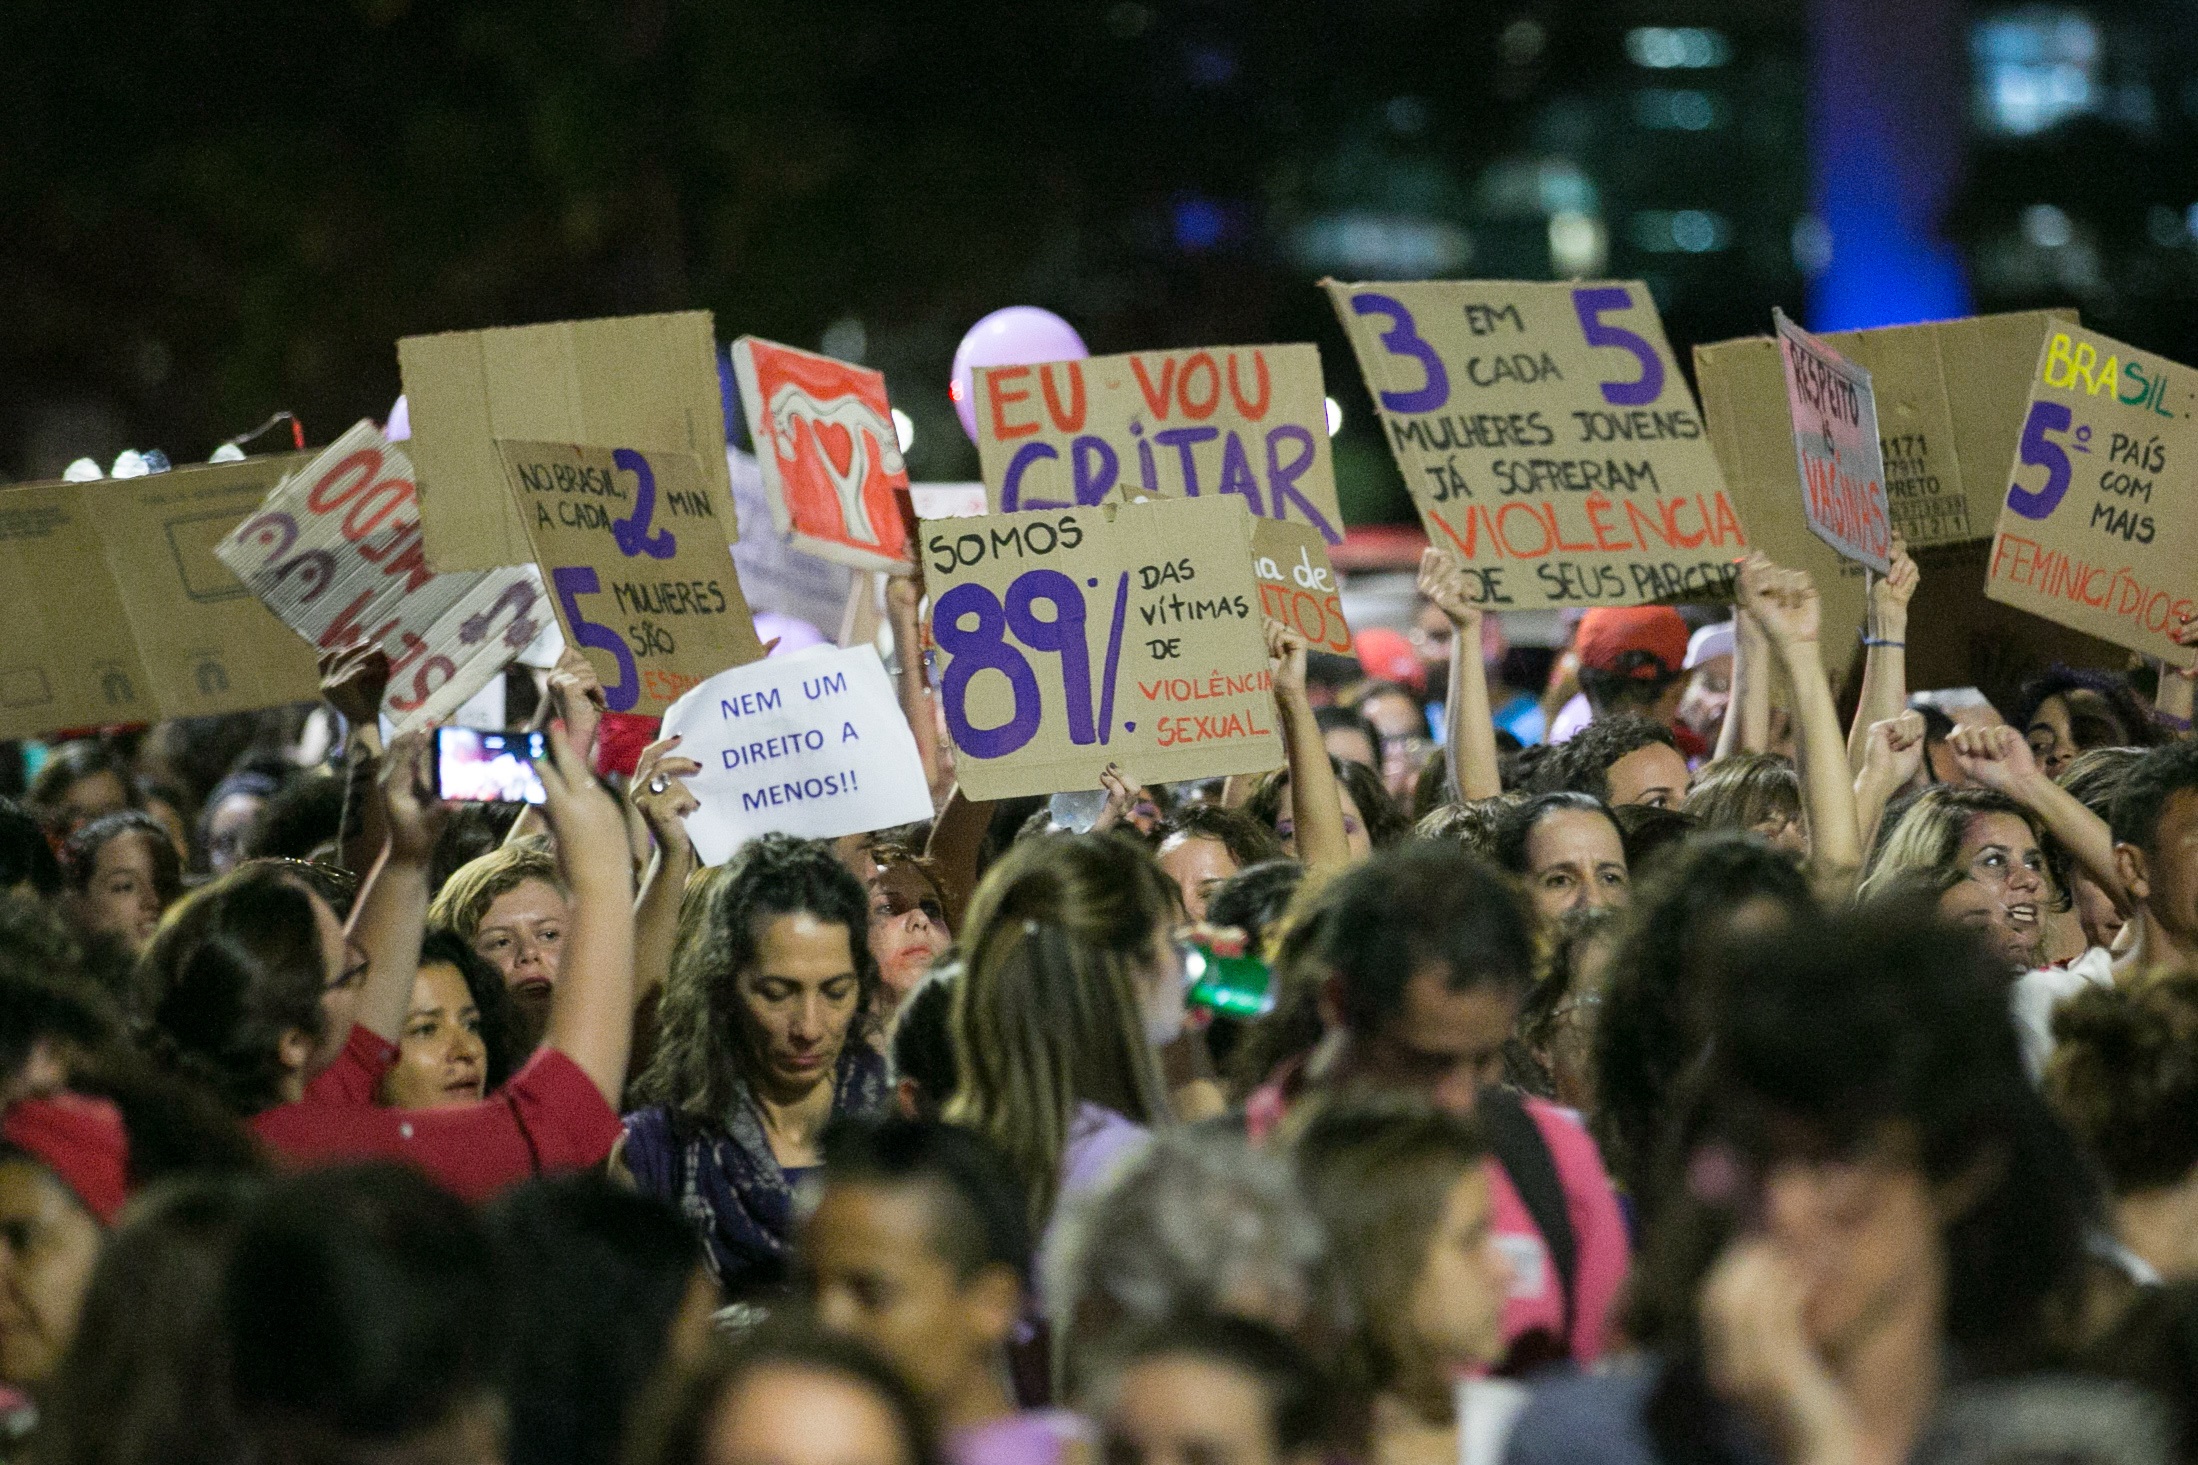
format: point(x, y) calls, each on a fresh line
point(247, 216)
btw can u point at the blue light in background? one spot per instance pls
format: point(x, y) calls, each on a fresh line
point(1885, 143)
point(1198, 223)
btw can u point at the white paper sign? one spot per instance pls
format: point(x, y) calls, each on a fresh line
point(812, 745)
point(335, 552)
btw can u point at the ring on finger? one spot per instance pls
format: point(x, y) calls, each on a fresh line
point(658, 784)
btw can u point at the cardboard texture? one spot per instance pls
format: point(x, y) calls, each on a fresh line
point(829, 453)
point(1548, 439)
point(2090, 534)
point(334, 551)
point(1834, 417)
point(646, 381)
point(1248, 422)
point(812, 744)
point(119, 612)
point(1078, 637)
point(632, 545)
point(1297, 584)
point(1949, 397)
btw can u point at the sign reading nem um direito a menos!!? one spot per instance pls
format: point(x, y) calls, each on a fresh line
point(1074, 638)
point(635, 554)
point(1548, 438)
point(2097, 532)
point(812, 744)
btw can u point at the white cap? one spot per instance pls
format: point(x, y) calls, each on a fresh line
point(1708, 644)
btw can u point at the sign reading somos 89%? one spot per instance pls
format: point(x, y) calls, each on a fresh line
point(1078, 637)
point(637, 563)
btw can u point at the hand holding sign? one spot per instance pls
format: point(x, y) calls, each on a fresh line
point(635, 553)
point(659, 793)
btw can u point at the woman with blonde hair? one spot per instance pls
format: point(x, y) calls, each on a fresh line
point(1072, 985)
point(513, 908)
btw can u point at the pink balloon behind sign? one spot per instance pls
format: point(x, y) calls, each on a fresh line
point(1018, 335)
point(399, 426)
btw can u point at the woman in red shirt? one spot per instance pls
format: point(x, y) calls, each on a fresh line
point(257, 989)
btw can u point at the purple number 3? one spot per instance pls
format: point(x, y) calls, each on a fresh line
point(1590, 303)
point(1403, 339)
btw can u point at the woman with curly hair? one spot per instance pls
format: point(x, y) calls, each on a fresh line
point(758, 1048)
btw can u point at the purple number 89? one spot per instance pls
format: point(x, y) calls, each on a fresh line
point(985, 647)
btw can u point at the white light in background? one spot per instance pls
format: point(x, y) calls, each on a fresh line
point(1674, 48)
point(2046, 226)
point(1578, 244)
point(904, 428)
point(1335, 415)
point(845, 339)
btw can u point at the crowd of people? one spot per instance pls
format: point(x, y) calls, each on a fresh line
point(1661, 1063)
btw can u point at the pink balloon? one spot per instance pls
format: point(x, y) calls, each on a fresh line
point(399, 427)
point(1018, 335)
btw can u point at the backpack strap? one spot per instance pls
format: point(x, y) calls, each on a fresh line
point(1523, 1151)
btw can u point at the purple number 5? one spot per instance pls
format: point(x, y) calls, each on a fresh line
point(572, 582)
point(2039, 451)
point(1403, 339)
point(1590, 304)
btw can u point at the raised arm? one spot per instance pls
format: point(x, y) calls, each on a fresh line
point(2172, 702)
point(352, 682)
point(1470, 747)
point(664, 804)
point(391, 914)
point(2000, 758)
point(591, 1007)
point(1747, 726)
point(1884, 653)
point(1892, 751)
point(903, 597)
point(1316, 806)
point(575, 697)
point(1784, 604)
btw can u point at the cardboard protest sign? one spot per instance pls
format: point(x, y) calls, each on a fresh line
point(633, 547)
point(1249, 422)
point(649, 381)
point(812, 744)
point(1548, 439)
point(335, 552)
point(1950, 397)
point(1297, 584)
point(1149, 652)
point(118, 610)
point(2090, 534)
point(1834, 416)
point(809, 415)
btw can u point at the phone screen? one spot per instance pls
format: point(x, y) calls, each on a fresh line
point(487, 767)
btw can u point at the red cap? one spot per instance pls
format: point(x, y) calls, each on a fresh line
point(1606, 635)
point(1388, 657)
point(82, 1142)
